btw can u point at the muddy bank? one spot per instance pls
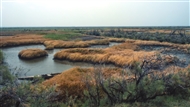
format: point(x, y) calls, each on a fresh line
point(153, 47)
point(182, 56)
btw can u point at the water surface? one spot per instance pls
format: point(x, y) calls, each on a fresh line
point(37, 66)
point(42, 65)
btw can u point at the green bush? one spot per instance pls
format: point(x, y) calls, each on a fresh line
point(1, 56)
point(5, 75)
point(24, 93)
point(146, 86)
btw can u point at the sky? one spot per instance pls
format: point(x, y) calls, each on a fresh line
point(47, 13)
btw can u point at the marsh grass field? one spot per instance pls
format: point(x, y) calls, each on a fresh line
point(149, 64)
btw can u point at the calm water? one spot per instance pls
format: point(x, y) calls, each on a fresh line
point(37, 66)
point(48, 65)
point(41, 65)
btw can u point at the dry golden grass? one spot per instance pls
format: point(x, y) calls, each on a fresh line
point(49, 47)
point(32, 53)
point(99, 42)
point(116, 39)
point(24, 39)
point(120, 55)
point(74, 44)
point(66, 44)
point(181, 47)
point(72, 80)
point(69, 81)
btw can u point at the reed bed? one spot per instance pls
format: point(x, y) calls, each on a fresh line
point(32, 53)
point(120, 55)
point(74, 44)
point(183, 47)
point(66, 44)
point(17, 40)
point(117, 56)
point(99, 42)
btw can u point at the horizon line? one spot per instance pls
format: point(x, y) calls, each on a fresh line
point(83, 26)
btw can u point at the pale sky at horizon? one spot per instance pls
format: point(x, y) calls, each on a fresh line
point(37, 13)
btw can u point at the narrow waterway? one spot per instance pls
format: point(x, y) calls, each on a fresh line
point(43, 65)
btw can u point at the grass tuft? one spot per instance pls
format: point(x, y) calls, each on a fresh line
point(32, 53)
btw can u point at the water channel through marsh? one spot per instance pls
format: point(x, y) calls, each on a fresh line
point(47, 65)
point(43, 65)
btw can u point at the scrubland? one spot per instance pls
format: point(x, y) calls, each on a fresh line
point(139, 77)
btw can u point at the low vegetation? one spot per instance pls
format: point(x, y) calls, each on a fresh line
point(144, 77)
point(175, 35)
point(64, 36)
point(14, 93)
point(66, 44)
point(1, 56)
point(32, 53)
point(137, 86)
point(18, 40)
point(74, 44)
point(120, 55)
point(71, 83)
point(111, 56)
point(116, 39)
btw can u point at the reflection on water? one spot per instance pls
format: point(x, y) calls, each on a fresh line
point(37, 66)
point(113, 43)
point(41, 65)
